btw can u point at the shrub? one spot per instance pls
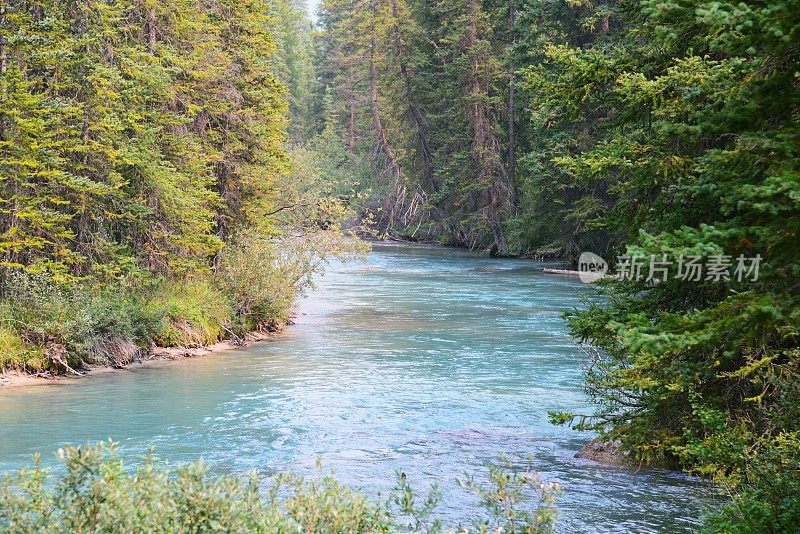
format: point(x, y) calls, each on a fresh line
point(194, 313)
point(16, 355)
point(64, 326)
point(98, 494)
point(264, 276)
point(505, 500)
point(767, 499)
point(260, 282)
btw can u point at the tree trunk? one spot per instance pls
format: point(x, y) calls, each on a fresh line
point(512, 134)
point(383, 141)
point(351, 125)
point(602, 24)
point(3, 51)
point(420, 129)
point(83, 236)
point(485, 145)
point(151, 30)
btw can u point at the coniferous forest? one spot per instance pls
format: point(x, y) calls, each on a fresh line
point(173, 173)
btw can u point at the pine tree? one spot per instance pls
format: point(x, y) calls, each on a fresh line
point(142, 130)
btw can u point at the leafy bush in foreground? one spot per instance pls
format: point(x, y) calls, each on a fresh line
point(97, 494)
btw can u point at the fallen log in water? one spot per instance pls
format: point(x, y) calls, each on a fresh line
point(567, 272)
point(572, 272)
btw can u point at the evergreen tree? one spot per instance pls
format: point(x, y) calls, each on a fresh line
point(693, 152)
point(145, 131)
point(427, 85)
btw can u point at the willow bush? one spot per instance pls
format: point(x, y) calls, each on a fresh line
point(98, 493)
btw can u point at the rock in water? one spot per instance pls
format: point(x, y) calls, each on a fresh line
point(604, 452)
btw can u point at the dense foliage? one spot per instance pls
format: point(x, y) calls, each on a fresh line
point(98, 493)
point(171, 171)
point(134, 130)
point(691, 148)
point(416, 91)
point(663, 130)
point(143, 164)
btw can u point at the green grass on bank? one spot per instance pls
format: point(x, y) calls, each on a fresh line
point(98, 493)
point(47, 326)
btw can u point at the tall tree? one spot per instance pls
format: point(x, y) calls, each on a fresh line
point(132, 131)
point(446, 175)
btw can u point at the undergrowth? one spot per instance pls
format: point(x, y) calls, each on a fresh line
point(47, 326)
point(99, 493)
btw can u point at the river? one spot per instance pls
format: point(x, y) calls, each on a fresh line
point(429, 360)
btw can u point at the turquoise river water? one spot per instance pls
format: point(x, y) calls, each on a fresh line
point(429, 360)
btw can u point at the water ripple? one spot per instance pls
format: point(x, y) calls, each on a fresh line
point(424, 360)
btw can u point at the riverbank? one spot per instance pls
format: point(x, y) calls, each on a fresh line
point(18, 379)
point(430, 361)
point(49, 327)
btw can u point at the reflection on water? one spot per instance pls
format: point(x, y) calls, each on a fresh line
point(432, 361)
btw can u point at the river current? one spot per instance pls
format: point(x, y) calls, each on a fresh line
point(427, 360)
